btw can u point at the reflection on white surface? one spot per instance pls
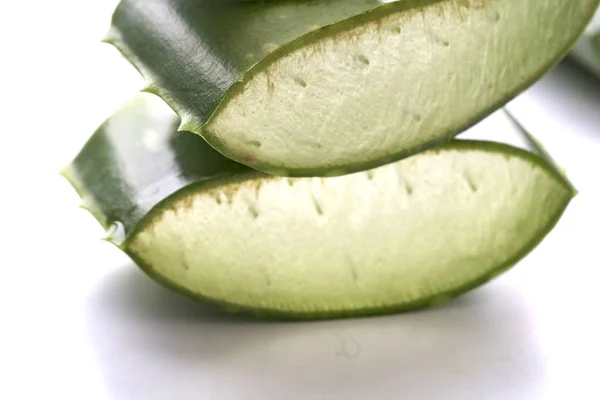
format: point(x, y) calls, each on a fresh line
point(154, 344)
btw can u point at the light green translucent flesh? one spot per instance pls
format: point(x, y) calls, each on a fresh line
point(412, 230)
point(408, 79)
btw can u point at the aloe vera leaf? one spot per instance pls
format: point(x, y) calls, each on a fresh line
point(587, 48)
point(328, 87)
point(402, 236)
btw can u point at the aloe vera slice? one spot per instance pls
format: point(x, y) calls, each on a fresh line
point(401, 236)
point(587, 48)
point(328, 87)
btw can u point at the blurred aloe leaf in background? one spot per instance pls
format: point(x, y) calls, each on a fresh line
point(587, 49)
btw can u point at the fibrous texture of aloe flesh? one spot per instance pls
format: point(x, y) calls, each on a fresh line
point(405, 235)
point(587, 48)
point(327, 87)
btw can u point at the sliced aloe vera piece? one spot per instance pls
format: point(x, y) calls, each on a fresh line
point(327, 87)
point(587, 48)
point(405, 235)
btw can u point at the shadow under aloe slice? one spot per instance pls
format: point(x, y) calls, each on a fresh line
point(328, 87)
point(402, 236)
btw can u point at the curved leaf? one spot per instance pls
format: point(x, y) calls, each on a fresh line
point(405, 235)
point(292, 88)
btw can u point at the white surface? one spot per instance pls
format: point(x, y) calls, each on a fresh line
point(80, 322)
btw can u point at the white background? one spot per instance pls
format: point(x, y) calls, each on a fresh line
point(80, 322)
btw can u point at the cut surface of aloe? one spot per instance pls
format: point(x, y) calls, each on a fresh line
point(587, 48)
point(327, 87)
point(405, 235)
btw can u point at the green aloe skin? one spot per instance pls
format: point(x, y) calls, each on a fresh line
point(328, 87)
point(406, 235)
